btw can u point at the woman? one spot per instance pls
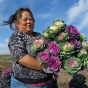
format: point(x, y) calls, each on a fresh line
point(27, 72)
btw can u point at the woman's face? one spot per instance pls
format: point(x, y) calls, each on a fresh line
point(25, 23)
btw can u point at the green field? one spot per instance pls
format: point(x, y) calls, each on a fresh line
point(5, 57)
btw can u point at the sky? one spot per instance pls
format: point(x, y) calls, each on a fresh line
point(72, 12)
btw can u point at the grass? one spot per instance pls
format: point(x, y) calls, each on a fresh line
point(5, 56)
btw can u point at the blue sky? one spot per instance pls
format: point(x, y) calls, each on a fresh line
point(73, 12)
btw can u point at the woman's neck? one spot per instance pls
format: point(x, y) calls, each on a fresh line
point(32, 36)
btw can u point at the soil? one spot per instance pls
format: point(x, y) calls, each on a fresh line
point(64, 78)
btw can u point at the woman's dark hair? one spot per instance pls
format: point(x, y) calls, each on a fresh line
point(16, 16)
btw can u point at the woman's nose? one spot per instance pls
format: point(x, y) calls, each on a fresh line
point(29, 20)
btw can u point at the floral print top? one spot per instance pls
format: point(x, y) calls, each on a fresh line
point(19, 45)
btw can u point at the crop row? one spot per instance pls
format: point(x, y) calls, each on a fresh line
point(5, 59)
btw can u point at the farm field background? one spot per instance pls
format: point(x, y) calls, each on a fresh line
point(63, 79)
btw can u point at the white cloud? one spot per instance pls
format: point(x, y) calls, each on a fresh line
point(4, 48)
point(6, 40)
point(79, 12)
point(1, 1)
point(79, 8)
point(84, 22)
point(4, 51)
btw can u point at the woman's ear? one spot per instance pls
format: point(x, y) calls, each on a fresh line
point(16, 24)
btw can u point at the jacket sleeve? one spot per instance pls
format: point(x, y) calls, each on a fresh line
point(17, 47)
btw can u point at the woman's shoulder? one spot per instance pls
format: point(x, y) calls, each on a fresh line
point(17, 34)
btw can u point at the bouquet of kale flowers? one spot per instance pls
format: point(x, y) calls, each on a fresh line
point(48, 55)
point(63, 46)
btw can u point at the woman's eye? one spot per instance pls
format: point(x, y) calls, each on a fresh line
point(30, 19)
point(24, 19)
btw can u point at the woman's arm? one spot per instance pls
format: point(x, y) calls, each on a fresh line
point(30, 62)
point(19, 53)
